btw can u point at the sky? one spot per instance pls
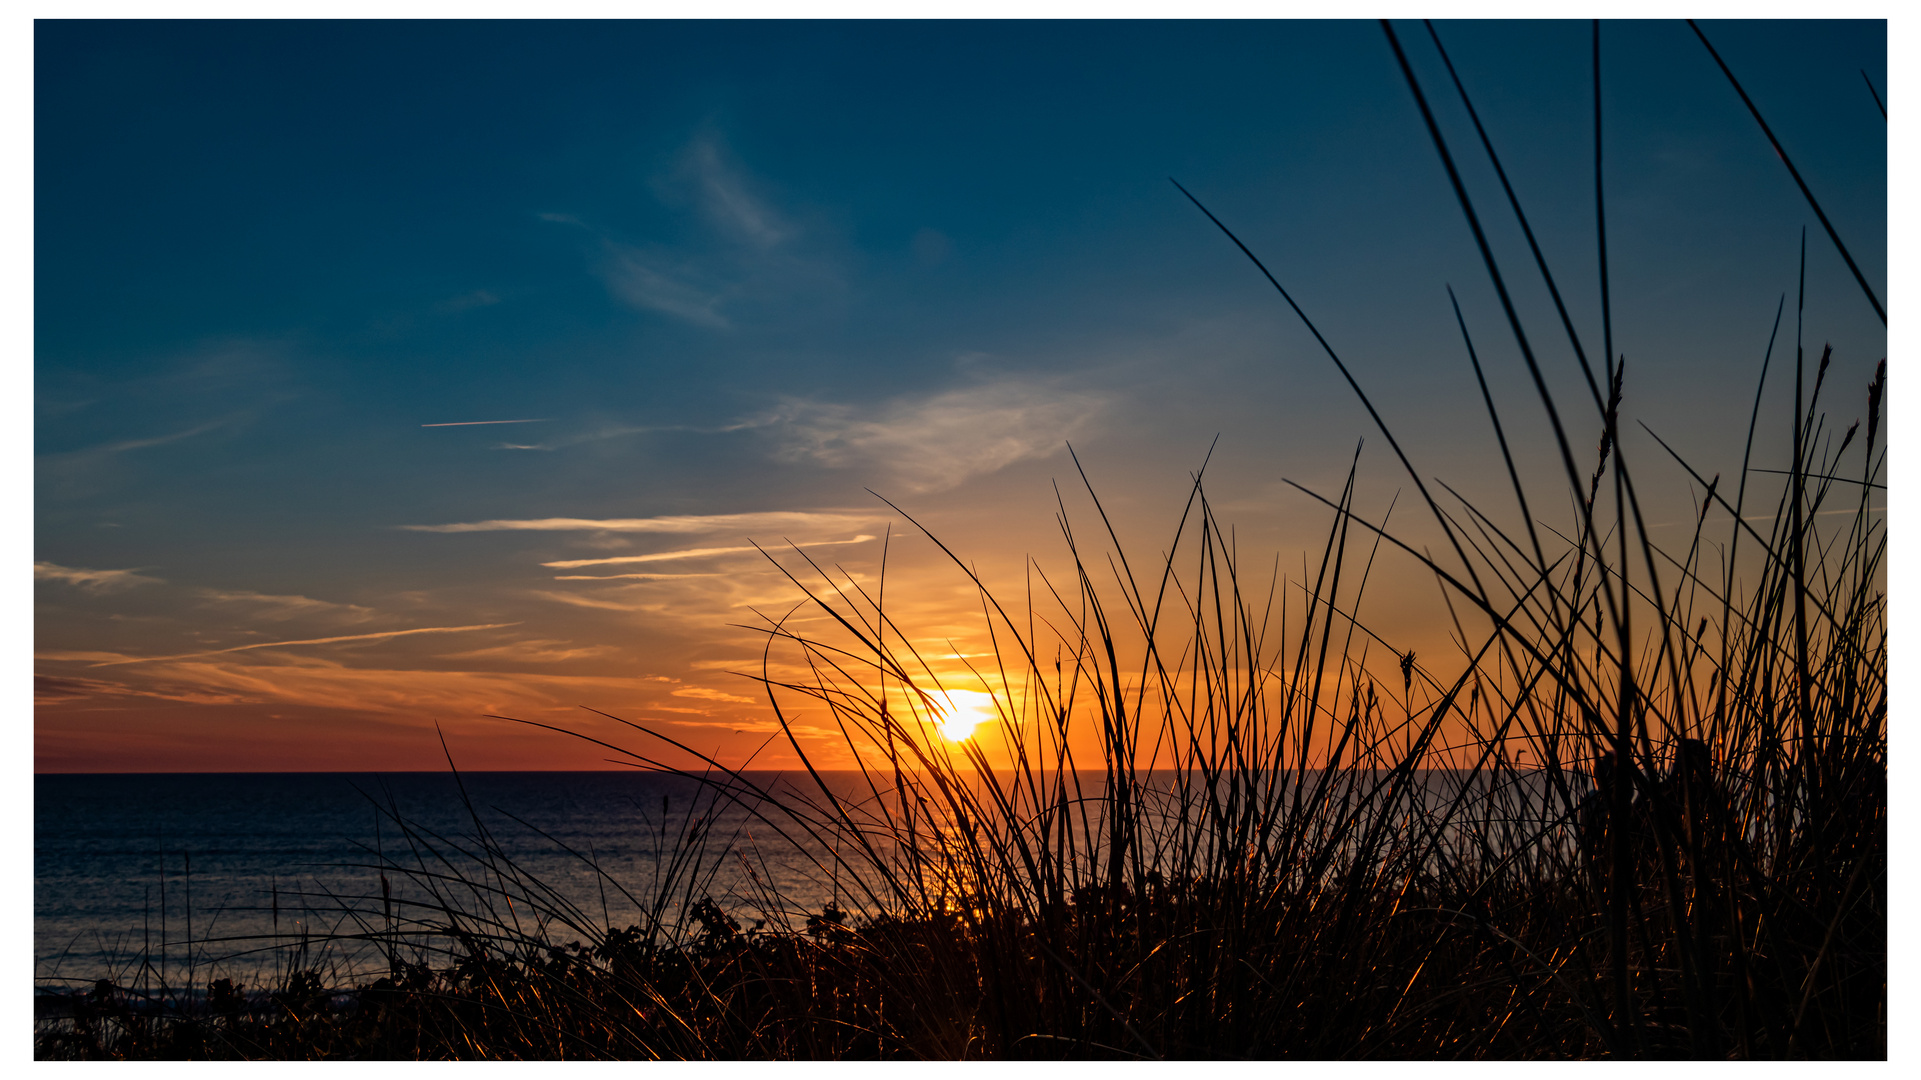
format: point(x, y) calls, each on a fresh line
point(390, 377)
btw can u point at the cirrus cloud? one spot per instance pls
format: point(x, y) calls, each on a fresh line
point(768, 521)
point(936, 442)
point(689, 553)
point(94, 581)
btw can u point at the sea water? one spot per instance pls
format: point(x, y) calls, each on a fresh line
point(197, 876)
point(178, 879)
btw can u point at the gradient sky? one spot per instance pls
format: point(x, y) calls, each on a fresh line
point(732, 275)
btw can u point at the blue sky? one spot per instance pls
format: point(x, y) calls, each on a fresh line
point(735, 274)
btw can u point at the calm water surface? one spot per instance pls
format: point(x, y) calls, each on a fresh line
point(128, 865)
point(206, 875)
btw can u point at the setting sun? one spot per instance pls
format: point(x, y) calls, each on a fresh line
point(963, 711)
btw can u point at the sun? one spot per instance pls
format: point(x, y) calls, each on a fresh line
point(962, 712)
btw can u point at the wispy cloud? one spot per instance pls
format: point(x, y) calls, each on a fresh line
point(307, 641)
point(616, 431)
point(712, 695)
point(688, 553)
point(49, 688)
point(477, 423)
point(631, 577)
point(726, 194)
point(113, 449)
point(765, 521)
point(742, 252)
point(536, 651)
point(61, 689)
point(80, 656)
point(141, 427)
point(653, 281)
point(589, 602)
point(406, 693)
point(278, 608)
point(935, 442)
point(94, 581)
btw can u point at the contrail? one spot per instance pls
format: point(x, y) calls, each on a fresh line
point(689, 553)
point(471, 423)
point(769, 520)
point(308, 641)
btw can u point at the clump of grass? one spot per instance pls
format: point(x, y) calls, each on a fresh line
point(1643, 813)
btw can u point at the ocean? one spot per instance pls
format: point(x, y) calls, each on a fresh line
point(177, 879)
point(207, 875)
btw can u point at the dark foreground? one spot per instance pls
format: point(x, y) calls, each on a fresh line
point(1223, 967)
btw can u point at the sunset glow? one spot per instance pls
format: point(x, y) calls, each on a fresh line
point(963, 712)
point(583, 395)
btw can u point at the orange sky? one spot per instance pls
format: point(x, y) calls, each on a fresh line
point(400, 386)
